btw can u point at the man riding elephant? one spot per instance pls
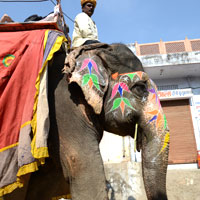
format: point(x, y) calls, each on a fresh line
point(85, 29)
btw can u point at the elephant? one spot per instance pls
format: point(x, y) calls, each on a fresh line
point(103, 88)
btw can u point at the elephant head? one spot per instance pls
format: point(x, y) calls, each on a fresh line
point(115, 85)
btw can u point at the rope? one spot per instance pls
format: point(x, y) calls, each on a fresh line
point(135, 137)
point(58, 1)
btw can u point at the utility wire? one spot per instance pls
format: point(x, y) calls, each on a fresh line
point(53, 2)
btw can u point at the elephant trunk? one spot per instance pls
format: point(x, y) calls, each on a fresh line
point(154, 169)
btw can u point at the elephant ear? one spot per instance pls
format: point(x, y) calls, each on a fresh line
point(90, 74)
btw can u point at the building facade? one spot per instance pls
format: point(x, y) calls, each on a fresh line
point(175, 68)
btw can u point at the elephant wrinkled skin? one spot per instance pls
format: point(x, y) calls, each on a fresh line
point(105, 88)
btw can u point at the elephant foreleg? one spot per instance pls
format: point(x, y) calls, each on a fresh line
point(47, 182)
point(82, 160)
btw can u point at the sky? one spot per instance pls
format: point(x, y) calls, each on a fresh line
point(125, 21)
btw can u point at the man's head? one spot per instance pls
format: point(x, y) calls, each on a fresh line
point(88, 6)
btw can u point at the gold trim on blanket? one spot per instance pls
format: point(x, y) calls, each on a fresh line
point(9, 147)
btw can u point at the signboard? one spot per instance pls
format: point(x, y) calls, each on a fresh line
point(198, 109)
point(175, 94)
point(197, 105)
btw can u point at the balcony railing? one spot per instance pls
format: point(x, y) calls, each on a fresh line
point(167, 47)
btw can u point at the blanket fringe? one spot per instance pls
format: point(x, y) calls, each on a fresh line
point(68, 196)
point(9, 188)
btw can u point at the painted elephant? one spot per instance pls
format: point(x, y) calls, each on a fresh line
point(107, 89)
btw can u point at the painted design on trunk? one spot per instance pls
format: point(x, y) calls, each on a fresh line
point(154, 108)
point(154, 96)
point(166, 142)
point(90, 79)
point(158, 117)
point(155, 117)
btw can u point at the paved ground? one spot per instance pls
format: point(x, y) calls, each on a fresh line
point(183, 184)
point(126, 182)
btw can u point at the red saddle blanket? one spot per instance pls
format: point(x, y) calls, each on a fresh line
point(24, 122)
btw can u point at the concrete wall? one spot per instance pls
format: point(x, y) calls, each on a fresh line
point(116, 149)
point(126, 182)
point(171, 59)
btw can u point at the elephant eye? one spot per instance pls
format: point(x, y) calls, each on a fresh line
point(140, 89)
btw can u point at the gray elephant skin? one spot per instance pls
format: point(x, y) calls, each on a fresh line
point(105, 88)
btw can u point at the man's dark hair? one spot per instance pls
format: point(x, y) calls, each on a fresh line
point(33, 18)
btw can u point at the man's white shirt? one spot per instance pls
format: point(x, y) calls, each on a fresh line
point(84, 29)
